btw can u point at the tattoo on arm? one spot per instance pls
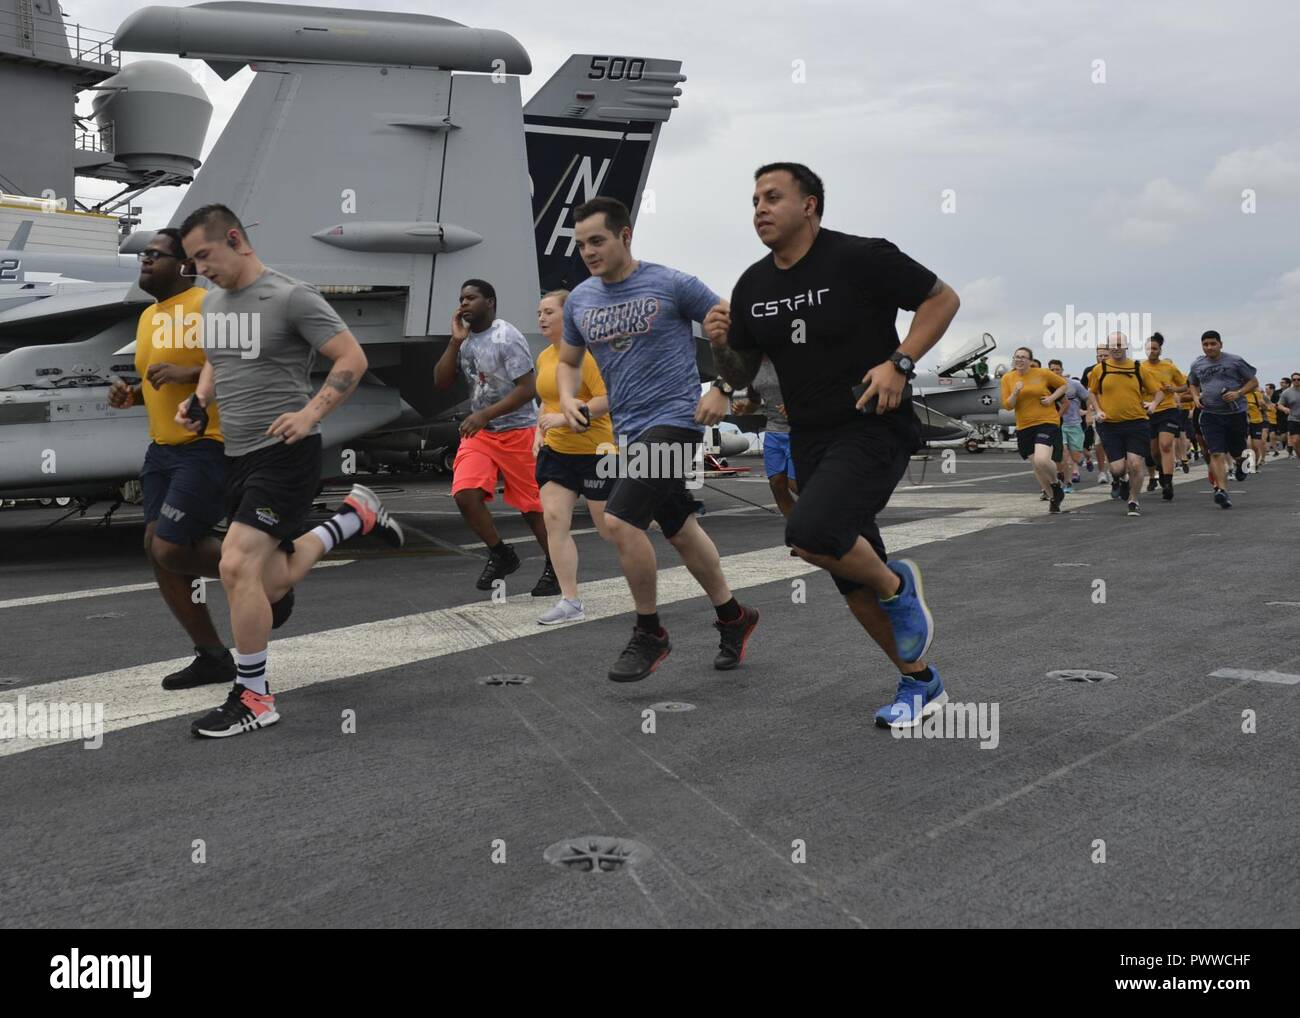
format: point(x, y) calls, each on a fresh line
point(737, 367)
point(340, 381)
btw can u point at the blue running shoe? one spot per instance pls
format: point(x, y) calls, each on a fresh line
point(908, 615)
point(913, 702)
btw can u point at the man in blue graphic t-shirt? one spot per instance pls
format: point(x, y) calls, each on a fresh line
point(635, 318)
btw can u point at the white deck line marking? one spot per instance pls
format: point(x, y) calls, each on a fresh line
point(128, 588)
point(1280, 678)
point(132, 696)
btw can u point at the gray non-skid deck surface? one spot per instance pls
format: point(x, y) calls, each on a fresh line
point(396, 824)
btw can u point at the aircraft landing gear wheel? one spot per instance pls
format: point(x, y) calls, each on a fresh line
point(973, 446)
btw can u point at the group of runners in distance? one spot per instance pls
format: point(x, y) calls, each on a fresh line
point(1143, 419)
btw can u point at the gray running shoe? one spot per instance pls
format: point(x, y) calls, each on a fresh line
point(563, 611)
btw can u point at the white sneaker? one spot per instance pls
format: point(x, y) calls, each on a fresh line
point(563, 611)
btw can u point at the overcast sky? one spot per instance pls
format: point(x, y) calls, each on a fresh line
point(1096, 153)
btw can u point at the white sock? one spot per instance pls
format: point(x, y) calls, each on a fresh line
point(250, 671)
point(337, 529)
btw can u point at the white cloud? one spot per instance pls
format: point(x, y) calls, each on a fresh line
point(1271, 170)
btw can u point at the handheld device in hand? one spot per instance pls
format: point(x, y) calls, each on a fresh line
point(586, 414)
point(197, 412)
point(870, 407)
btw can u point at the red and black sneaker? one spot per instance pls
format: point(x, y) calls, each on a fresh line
point(374, 517)
point(641, 656)
point(243, 711)
point(735, 635)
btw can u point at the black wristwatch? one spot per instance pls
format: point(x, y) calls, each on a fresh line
point(903, 363)
point(720, 383)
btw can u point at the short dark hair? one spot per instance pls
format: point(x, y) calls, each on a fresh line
point(616, 214)
point(175, 237)
point(810, 185)
point(1024, 348)
point(483, 286)
point(213, 218)
point(1157, 339)
point(1055, 361)
point(1210, 334)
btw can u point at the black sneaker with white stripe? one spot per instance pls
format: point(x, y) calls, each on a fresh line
point(243, 711)
point(374, 517)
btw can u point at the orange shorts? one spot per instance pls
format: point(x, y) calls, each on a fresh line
point(484, 455)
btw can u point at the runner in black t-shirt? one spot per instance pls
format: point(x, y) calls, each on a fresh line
point(822, 306)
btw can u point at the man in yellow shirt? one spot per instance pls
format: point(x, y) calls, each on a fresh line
point(1122, 424)
point(184, 475)
point(1165, 424)
point(1032, 393)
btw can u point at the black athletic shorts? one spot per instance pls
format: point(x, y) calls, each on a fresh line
point(272, 489)
point(1185, 421)
point(585, 474)
point(846, 477)
point(652, 476)
point(1224, 432)
point(1256, 430)
point(1040, 434)
point(1293, 427)
point(1119, 438)
point(1089, 437)
point(1166, 421)
point(183, 489)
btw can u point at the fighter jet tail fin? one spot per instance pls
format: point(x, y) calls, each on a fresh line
point(592, 130)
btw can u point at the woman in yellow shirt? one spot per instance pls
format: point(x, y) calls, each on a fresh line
point(569, 463)
point(1255, 427)
point(1032, 393)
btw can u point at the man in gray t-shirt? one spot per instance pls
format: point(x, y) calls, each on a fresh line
point(1289, 400)
point(491, 360)
point(778, 463)
point(1219, 382)
point(261, 341)
point(261, 331)
point(496, 439)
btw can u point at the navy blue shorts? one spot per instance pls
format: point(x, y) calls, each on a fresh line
point(591, 474)
point(1167, 421)
point(1257, 430)
point(1224, 432)
point(1185, 420)
point(1120, 438)
point(183, 489)
point(1040, 434)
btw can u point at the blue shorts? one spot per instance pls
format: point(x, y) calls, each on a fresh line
point(1224, 432)
point(776, 454)
point(183, 489)
point(1125, 438)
